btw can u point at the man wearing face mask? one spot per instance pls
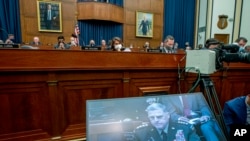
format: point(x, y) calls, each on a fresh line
point(116, 44)
point(168, 44)
point(241, 41)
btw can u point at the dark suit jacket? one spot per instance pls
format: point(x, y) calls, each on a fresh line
point(53, 14)
point(149, 133)
point(167, 50)
point(235, 112)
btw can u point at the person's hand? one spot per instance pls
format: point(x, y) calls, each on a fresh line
point(61, 46)
point(204, 119)
point(8, 41)
point(183, 119)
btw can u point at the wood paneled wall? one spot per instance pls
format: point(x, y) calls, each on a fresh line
point(100, 11)
point(45, 97)
point(151, 6)
point(72, 11)
point(29, 21)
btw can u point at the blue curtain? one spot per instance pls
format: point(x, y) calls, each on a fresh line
point(98, 30)
point(9, 20)
point(116, 2)
point(179, 21)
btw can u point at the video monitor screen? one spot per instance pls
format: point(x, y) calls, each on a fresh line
point(152, 118)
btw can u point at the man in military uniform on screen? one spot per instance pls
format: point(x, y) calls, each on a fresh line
point(160, 129)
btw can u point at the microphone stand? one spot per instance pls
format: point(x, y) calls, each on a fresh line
point(208, 89)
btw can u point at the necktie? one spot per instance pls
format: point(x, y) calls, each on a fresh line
point(165, 50)
point(186, 107)
point(49, 15)
point(164, 136)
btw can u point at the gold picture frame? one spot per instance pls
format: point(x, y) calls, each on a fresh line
point(144, 24)
point(49, 20)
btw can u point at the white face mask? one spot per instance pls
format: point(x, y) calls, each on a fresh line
point(118, 47)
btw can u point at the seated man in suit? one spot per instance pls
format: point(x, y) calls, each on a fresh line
point(168, 46)
point(146, 45)
point(103, 45)
point(241, 42)
point(194, 110)
point(92, 43)
point(237, 111)
point(61, 44)
point(36, 41)
point(161, 129)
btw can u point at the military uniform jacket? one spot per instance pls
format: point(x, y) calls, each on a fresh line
point(150, 133)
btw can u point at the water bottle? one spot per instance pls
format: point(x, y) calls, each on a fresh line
point(179, 136)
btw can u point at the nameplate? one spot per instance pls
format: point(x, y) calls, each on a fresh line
point(154, 50)
point(9, 46)
point(91, 48)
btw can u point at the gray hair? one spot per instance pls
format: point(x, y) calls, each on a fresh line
point(169, 37)
point(156, 106)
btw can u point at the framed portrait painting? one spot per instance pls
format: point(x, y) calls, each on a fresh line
point(144, 24)
point(49, 16)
